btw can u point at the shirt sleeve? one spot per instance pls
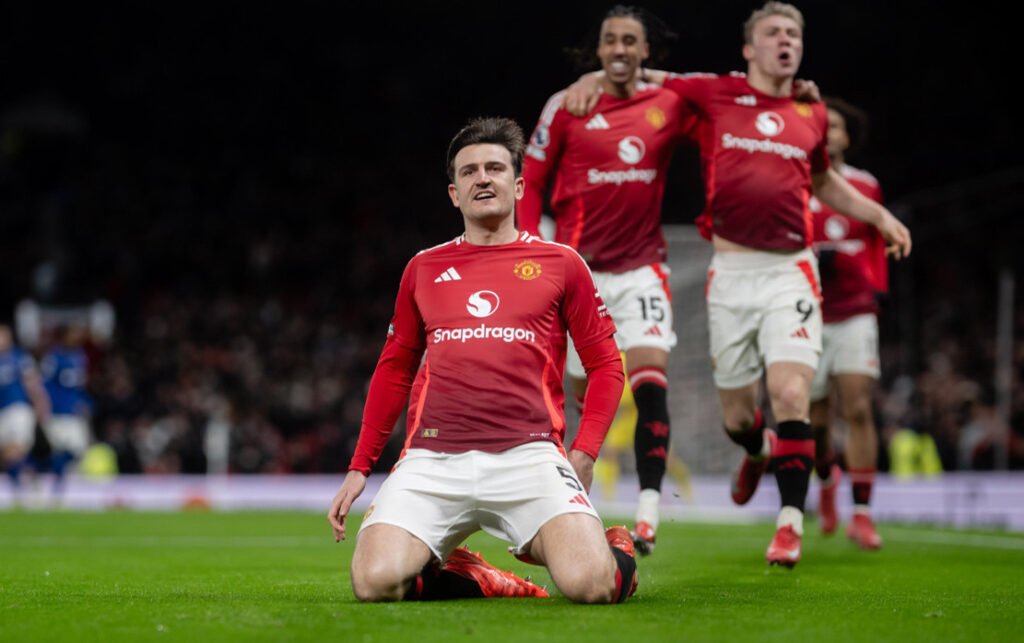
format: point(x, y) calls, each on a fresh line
point(583, 312)
point(542, 157)
point(819, 155)
point(879, 258)
point(694, 90)
point(393, 377)
point(605, 380)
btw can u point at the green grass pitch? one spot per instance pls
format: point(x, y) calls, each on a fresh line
point(280, 577)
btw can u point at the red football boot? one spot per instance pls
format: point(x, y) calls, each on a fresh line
point(620, 538)
point(827, 503)
point(643, 538)
point(493, 582)
point(744, 481)
point(785, 548)
point(862, 531)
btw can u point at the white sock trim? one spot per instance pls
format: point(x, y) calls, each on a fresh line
point(647, 507)
point(793, 517)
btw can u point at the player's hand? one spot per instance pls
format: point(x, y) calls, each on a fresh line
point(581, 97)
point(353, 485)
point(897, 235)
point(806, 90)
point(583, 465)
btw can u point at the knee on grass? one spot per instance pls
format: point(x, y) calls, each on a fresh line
point(379, 581)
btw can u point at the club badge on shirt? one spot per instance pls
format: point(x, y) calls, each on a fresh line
point(527, 270)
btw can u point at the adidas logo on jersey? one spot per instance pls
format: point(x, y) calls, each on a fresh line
point(597, 122)
point(448, 275)
point(801, 333)
point(748, 100)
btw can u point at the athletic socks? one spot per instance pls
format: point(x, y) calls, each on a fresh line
point(436, 584)
point(823, 453)
point(650, 442)
point(862, 481)
point(792, 462)
point(751, 439)
point(625, 569)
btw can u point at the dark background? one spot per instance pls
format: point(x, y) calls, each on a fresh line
point(250, 178)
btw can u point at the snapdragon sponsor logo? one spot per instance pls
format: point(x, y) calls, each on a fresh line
point(618, 177)
point(752, 145)
point(506, 334)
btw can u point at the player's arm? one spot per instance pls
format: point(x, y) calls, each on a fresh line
point(605, 380)
point(592, 331)
point(541, 159)
point(836, 192)
point(389, 388)
point(582, 96)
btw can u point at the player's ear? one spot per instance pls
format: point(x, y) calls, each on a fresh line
point(453, 194)
point(748, 52)
point(647, 51)
point(520, 187)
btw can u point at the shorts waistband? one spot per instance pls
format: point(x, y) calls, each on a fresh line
point(759, 259)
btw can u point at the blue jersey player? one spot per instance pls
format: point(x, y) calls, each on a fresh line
point(65, 369)
point(22, 401)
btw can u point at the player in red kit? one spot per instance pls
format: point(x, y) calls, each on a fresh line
point(763, 156)
point(853, 272)
point(607, 178)
point(484, 443)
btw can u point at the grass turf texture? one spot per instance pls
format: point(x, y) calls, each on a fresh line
point(280, 576)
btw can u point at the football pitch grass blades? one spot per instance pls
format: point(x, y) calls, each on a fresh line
point(281, 577)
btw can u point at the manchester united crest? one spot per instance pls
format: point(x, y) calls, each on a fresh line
point(656, 117)
point(803, 109)
point(527, 270)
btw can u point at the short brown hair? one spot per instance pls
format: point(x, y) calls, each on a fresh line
point(770, 8)
point(499, 131)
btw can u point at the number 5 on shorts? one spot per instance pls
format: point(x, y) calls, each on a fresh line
point(570, 478)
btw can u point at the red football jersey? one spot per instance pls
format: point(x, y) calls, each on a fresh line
point(861, 268)
point(758, 153)
point(609, 176)
point(493, 321)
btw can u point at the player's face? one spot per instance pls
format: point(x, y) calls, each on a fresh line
point(838, 139)
point(622, 47)
point(485, 184)
point(778, 46)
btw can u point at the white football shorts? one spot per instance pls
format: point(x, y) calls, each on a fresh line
point(640, 304)
point(18, 425)
point(67, 433)
point(848, 346)
point(442, 498)
point(763, 307)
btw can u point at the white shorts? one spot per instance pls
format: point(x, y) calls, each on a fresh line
point(640, 304)
point(67, 433)
point(848, 346)
point(18, 425)
point(442, 498)
point(763, 307)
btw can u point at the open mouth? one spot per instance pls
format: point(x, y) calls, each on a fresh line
point(785, 56)
point(484, 196)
